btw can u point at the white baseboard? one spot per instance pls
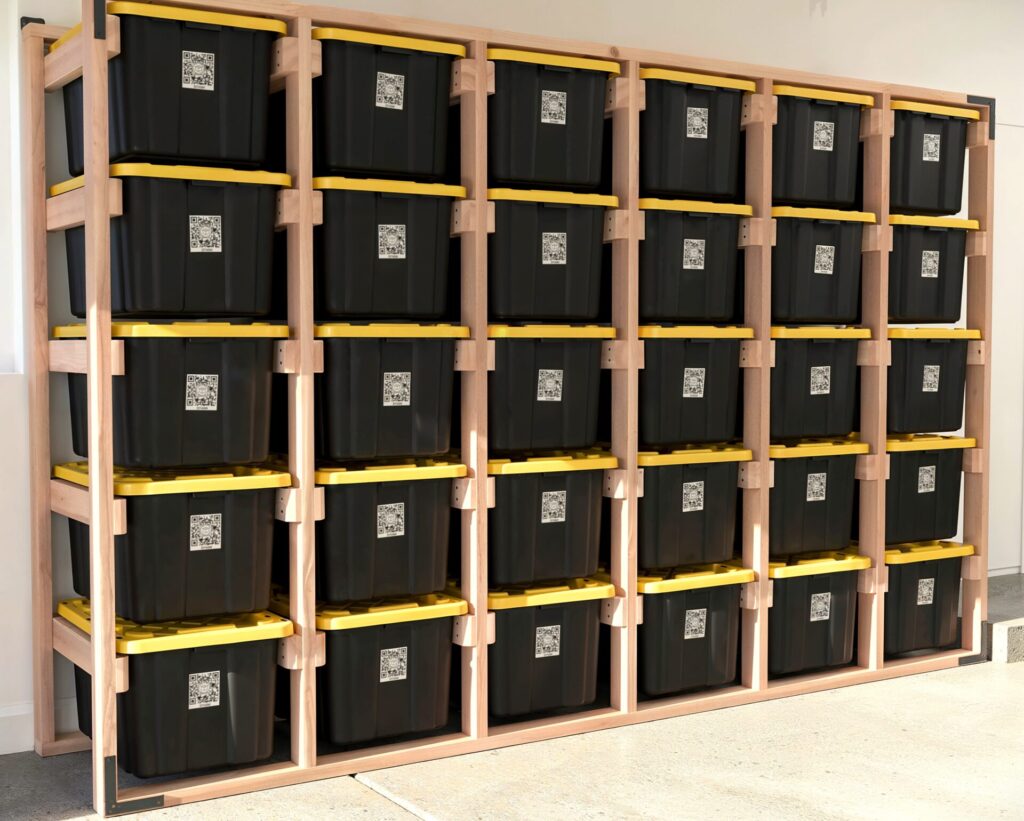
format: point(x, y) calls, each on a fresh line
point(1003, 571)
point(16, 727)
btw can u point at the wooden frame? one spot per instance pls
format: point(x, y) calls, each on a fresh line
point(298, 62)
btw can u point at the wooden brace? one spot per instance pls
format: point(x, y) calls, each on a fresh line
point(289, 651)
point(759, 108)
point(465, 629)
point(872, 467)
point(977, 244)
point(873, 580)
point(755, 232)
point(974, 460)
point(464, 77)
point(64, 65)
point(284, 60)
point(874, 353)
point(71, 500)
point(288, 208)
point(749, 474)
point(76, 646)
point(977, 352)
point(67, 210)
point(613, 611)
point(752, 353)
point(616, 483)
point(465, 492)
point(71, 356)
point(288, 506)
point(617, 223)
point(466, 217)
point(287, 360)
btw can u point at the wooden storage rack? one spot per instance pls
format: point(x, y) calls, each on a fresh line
point(296, 62)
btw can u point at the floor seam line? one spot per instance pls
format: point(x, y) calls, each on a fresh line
point(395, 799)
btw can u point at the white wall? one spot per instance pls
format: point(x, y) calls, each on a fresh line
point(964, 45)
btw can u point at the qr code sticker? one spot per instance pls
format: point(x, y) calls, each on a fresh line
point(394, 664)
point(201, 391)
point(697, 123)
point(824, 135)
point(695, 623)
point(197, 70)
point(931, 147)
point(390, 242)
point(204, 234)
point(824, 259)
point(930, 379)
point(390, 90)
point(553, 248)
point(693, 497)
point(204, 690)
point(925, 591)
point(552, 507)
point(548, 641)
point(693, 383)
point(926, 479)
point(821, 380)
point(553, 107)
point(549, 385)
point(204, 531)
point(693, 254)
point(397, 389)
point(390, 520)
point(930, 264)
point(817, 484)
point(821, 606)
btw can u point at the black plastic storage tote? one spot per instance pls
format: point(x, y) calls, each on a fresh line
point(813, 616)
point(928, 379)
point(383, 248)
point(192, 394)
point(816, 146)
point(926, 166)
point(689, 386)
point(187, 85)
point(544, 391)
point(544, 655)
point(689, 260)
point(690, 505)
point(812, 500)
point(386, 390)
point(926, 268)
point(545, 256)
point(201, 694)
point(197, 543)
point(690, 634)
point(690, 136)
point(816, 264)
point(190, 242)
point(381, 104)
point(922, 493)
point(546, 520)
point(546, 118)
point(814, 381)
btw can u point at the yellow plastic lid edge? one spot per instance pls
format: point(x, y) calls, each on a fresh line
point(550, 332)
point(823, 94)
point(558, 60)
point(385, 330)
point(917, 552)
point(701, 456)
point(813, 448)
point(396, 473)
point(181, 172)
point(819, 332)
point(187, 484)
point(555, 197)
point(179, 330)
point(934, 222)
point(553, 464)
point(541, 598)
point(934, 333)
point(695, 206)
point(354, 621)
point(789, 212)
point(837, 562)
point(697, 581)
point(922, 442)
point(695, 332)
point(697, 79)
point(373, 38)
point(933, 108)
point(423, 189)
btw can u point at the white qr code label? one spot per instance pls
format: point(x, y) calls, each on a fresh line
point(548, 642)
point(824, 259)
point(930, 379)
point(204, 234)
point(821, 606)
point(931, 147)
point(817, 487)
point(204, 690)
point(693, 254)
point(693, 496)
point(390, 90)
point(390, 242)
point(204, 531)
point(553, 248)
point(693, 383)
point(821, 380)
point(397, 389)
point(201, 391)
point(197, 70)
point(552, 507)
point(552, 107)
point(925, 591)
point(696, 123)
point(549, 385)
point(926, 479)
point(390, 520)
point(695, 624)
point(394, 664)
point(824, 135)
point(930, 264)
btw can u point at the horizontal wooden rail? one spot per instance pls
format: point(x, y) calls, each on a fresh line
point(70, 356)
point(64, 64)
point(76, 647)
point(71, 500)
point(68, 210)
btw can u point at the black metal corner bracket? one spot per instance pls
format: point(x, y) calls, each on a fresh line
point(991, 103)
point(114, 807)
point(26, 20)
point(99, 19)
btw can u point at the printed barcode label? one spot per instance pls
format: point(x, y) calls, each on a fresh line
point(930, 379)
point(553, 248)
point(824, 135)
point(204, 531)
point(693, 496)
point(925, 591)
point(693, 254)
point(816, 487)
point(548, 641)
point(397, 389)
point(552, 107)
point(931, 148)
point(552, 506)
point(821, 380)
point(390, 520)
point(390, 242)
point(390, 90)
point(549, 385)
point(204, 234)
point(197, 70)
point(696, 623)
point(930, 264)
point(696, 123)
point(693, 383)
point(926, 479)
point(394, 664)
point(824, 259)
point(821, 606)
point(204, 690)
point(201, 391)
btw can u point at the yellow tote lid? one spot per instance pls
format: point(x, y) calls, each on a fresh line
point(914, 552)
point(554, 197)
point(409, 470)
point(928, 441)
point(375, 613)
point(698, 577)
point(573, 590)
point(819, 332)
point(807, 448)
point(815, 564)
point(550, 332)
point(694, 206)
point(555, 60)
point(389, 330)
point(931, 108)
point(934, 333)
point(694, 332)
point(373, 38)
point(934, 222)
point(695, 455)
point(206, 631)
point(132, 482)
point(200, 173)
point(786, 211)
point(823, 94)
point(180, 330)
point(423, 189)
point(697, 79)
point(552, 463)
